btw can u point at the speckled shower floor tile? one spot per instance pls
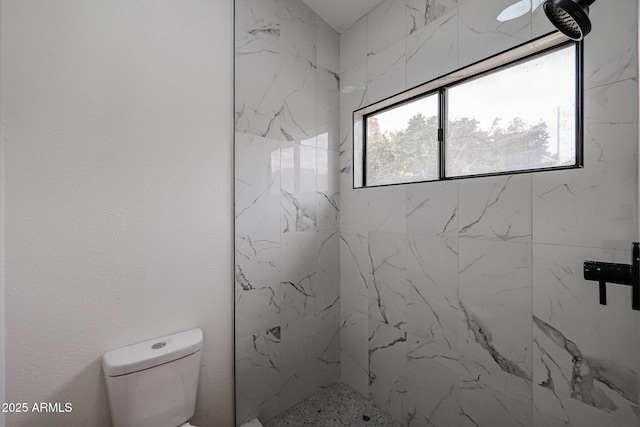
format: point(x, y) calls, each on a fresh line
point(337, 406)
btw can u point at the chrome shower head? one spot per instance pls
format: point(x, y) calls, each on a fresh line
point(571, 17)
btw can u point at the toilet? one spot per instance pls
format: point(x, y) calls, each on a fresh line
point(154, 383)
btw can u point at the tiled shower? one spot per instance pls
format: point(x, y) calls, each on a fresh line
point(452, 303)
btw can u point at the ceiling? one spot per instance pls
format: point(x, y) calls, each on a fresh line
point(341, 14)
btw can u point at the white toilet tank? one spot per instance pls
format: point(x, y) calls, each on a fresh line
point(154, 383)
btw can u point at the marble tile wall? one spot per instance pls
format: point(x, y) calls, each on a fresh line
point(463, 303)
point(286, 206)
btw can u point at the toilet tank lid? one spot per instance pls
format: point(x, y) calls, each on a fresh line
point(148, 354)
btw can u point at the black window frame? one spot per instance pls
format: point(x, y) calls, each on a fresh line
point(550, 42)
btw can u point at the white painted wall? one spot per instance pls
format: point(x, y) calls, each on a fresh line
point(2, 318)
point(117, 125)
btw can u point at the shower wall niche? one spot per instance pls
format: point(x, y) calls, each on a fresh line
point(286, 206)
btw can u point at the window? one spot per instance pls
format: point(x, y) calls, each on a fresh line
point(519, 111)
point(402, 143)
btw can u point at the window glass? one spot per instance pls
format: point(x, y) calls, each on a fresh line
point(516, 118)
point(402, 143)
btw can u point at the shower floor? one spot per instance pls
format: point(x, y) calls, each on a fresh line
point(336, 406)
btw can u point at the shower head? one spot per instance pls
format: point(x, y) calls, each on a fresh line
point(571, 17)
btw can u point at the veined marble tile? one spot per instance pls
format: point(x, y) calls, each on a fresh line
point(257, 260)
point(327, 282)
point(327, 326)
point(299, 211)
point(595, 205)
point(386, 25)
point(257, 43)
point(327, 46)
point(432, 389)
point(355, 280)
point(258, 376)
point(449, 359)
point(353, 45)
point(347, 168)
point(460, 391)
point(563, 298)
point(310, 355)
point(353, 96)
point(472, 372)
point(299, 198)
point(495, 298)
point(388, 368)
point(257, 20)
point(386, 72)
point(432, 50)
point(432, 273)
point(388, 297)
point(574, 210)
point(258, 101)
point(298, 29)
point(432, 208)
point(486, 406)
point(571, 386)
point(346, 177)
point(352, 204)
point(352, 86)
point(609, 104)
point(585, 354)
point(298, 275)
point(424, 12)
point(257, 277)
point(387, 209)
point(298, 168)
point(356, 273)
point(583, 418)
point(328, 176)
point(481, 35)
point(496, 208)
point(606, 59)
point(346, 164)
point(327, 109)
point(354, 352)
point(469, 391)
point(540, 24)
point(298, 119)
point(257, 178)
point(540, 419)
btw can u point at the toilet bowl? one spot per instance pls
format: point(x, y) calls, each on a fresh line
point(154, 383)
